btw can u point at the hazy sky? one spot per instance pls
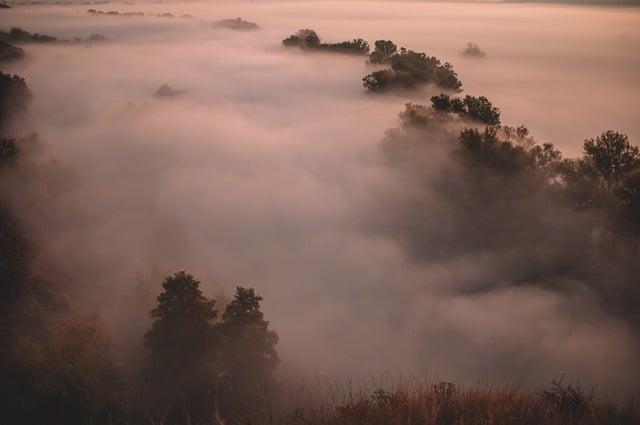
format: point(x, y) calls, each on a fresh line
point(265, 172)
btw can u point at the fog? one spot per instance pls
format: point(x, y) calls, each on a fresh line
point(268, 172)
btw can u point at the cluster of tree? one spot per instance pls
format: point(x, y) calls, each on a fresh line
point(473, 51)
point(14, 99)
point(237, 24)
point(59, 367)
point(308, 39)
point(18, 35)
point(9, 52)
point(166, 91)
point(55, 368)
point(474, 108)
point(502, 193)
point(408, 69)
point(199, 368)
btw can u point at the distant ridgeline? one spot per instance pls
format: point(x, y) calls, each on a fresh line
point(401, 69)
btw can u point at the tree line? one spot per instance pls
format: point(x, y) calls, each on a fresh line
point(59, 367)
point(402, 69)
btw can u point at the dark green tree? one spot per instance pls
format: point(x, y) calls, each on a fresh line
point(181, 366)
point(248, 352)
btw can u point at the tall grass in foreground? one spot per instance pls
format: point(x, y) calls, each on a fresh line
point(446, 404)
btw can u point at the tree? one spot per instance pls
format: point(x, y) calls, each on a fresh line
point(473, 51)
point(612, 155)
point(487, 149)
point(441, 102)
point(481, 109)
point(378, 80)
point(73, 378)
point(248, 352)
point(14, 98)
point(384, 49)
point(304, 38)
point(180, 341)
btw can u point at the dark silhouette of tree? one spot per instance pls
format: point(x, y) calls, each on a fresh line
point(357, 46)
point(14, 98)
point(628, 190)
point(248, 352)
point(481, 109)
point(473, 51)
point(613, 156)
point(475, 108)
point(410, 69)
point(304, 38)
point(18, 35)
point(180, 369)
point(9, 52)
point(441, 102)
point(384, 49)
point(487, 149)
point(237, 24)
point(378, 80)
point(308, 40)
point(8, 149)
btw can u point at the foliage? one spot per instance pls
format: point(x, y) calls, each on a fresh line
point(72, 378)
point(357, 46)
point(180, 343)
point(237, 24)
point(14, 97)
point(194, 361)
point(613, 156)
point(473, 51)
point(248, 352)
point(167, 91)
point(308, 39)
point(18, 35)
point(9, 52)
point(475, 108)
point(487, 149)
point(479, 108)
point(384, 49)
point(379, 80)
point(304, 38)
point(409, 69)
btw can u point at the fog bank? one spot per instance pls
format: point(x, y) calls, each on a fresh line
point(267, 170)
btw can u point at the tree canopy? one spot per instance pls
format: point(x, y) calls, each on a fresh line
point(613, 155)
point(409, 69)
point(308, 39)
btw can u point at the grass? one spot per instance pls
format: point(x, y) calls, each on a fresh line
point(447, 404)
